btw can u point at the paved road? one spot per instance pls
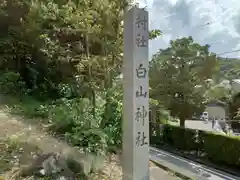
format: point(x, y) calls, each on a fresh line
point(187, 167)
point(157, 173)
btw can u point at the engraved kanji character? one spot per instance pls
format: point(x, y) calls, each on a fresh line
point(141, 114)
point(141, 22)
point(141, 139)
point(141, 71)
point(141, 41)
point(141, 93)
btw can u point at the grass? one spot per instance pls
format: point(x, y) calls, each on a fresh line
point(27, 107)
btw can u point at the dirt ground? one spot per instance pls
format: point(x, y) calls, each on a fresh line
point(22, 141)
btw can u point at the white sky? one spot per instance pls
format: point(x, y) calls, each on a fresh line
point(178, 18)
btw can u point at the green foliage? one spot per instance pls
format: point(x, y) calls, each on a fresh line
point(176, 72)
point(60, 54)
point(62, 60)
point(74, 120)
point(216, 147)
point(228, 69)
point(52, 42)
point(221, 148)
point(164, 115)
point(218, 93)
point(82, 128)
point(11, 83)
point(113, 127)
point(179, 137)
point(155, 33)
point(234, 111)
point(29, 107)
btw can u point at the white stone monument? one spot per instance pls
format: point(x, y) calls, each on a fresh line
point(135, 101)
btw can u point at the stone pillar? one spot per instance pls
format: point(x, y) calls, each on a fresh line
point(136, 100)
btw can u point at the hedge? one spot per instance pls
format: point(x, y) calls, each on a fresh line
point(216, 147)
point(180, 138)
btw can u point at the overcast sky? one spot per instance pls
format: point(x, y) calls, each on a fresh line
point(215, 22)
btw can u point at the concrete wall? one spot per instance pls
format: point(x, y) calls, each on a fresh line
point(216, 111)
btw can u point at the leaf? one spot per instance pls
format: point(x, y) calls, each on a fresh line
point(176, 72)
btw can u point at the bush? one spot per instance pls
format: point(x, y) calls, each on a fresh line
point(192, 140)
point(217, 147)
point(179, 138)
point(222, 149)
point(94, 127)
point(74, 120)
point(167, 135)
point(11, 84)
point(155, 133)
point(113, 127)
point(29, 107)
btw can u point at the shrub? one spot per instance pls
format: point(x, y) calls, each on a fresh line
point(223, 149)
point(11, 84)
point(155, 133)
point(74, 119)
point(29, 107)
point(78, 120)
point(179, 138)
point(217, 147)
point(192, 140)
point(113, 128)
point(167, 135)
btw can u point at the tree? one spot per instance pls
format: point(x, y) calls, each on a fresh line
point(153, 34)
point(51, 42)
point(218, 93)
point(228, 68)
point(178, 76)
